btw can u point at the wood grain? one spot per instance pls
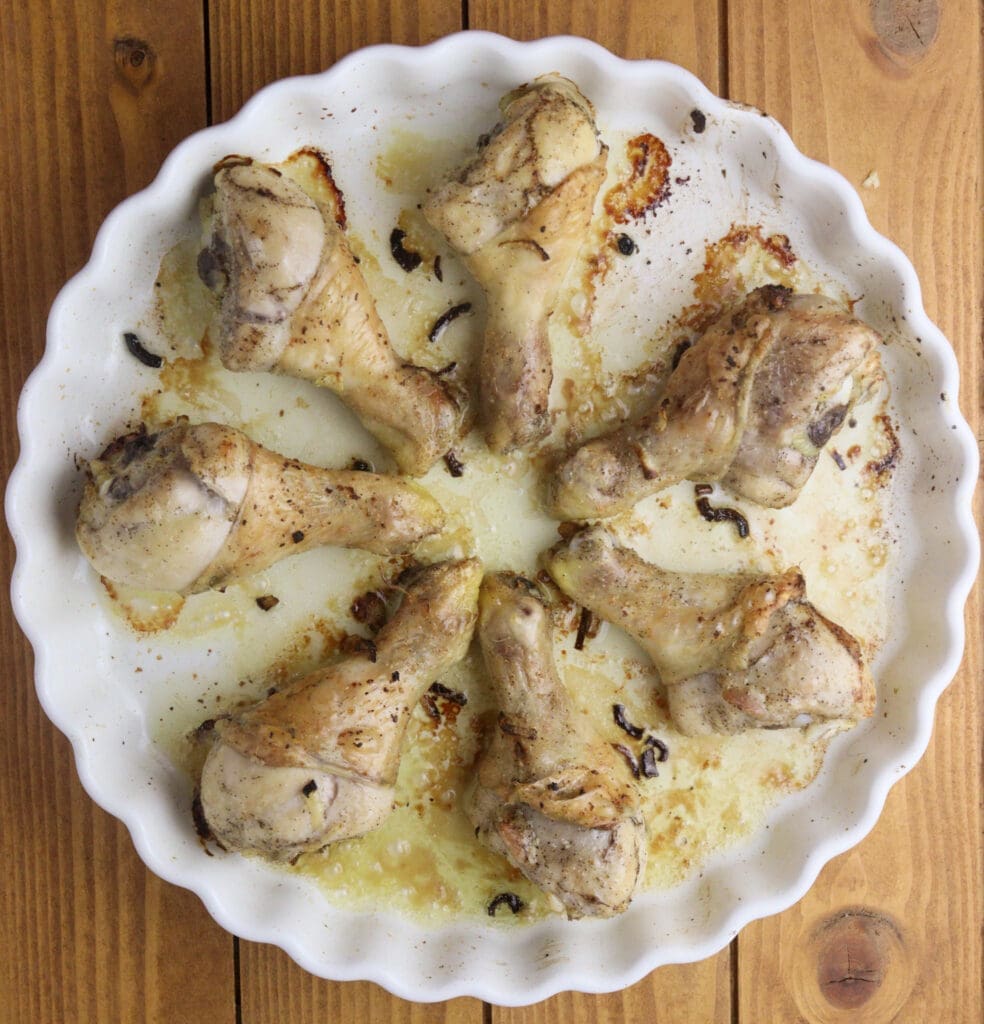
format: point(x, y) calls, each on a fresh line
point(93, 97)
point(684, 32)
point(891, 929)
point(254, 44)
point(274, 988)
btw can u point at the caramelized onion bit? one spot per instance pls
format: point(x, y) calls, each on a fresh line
point(635, 731)
point(511, 900)
point(583, 625)
point(455, 696)
point(630, 758)
point(647, 764)
point(647, 184)
point(723, 515)
point(407, 258)
point(139, 352)
point(454, 702)
point(430, 706)
point(445, 318)
point(529, 243)
point(662, 749)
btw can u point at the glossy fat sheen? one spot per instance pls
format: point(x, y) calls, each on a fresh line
point(551, 796)
point(752, 404)
point(734, 652)
point(342, 726)
point(295, 302)
point(197, 507)
point(519, 213)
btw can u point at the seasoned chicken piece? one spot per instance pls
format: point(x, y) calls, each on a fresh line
point(751, 404)
point(317, 761)
point(519, 213)
point(551, 795)
point(295, 302)
point(734, 652)
point(197, 507)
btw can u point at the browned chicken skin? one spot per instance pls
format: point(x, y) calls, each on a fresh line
point(197, 507)
point(751, 404)
point(551, 795)
point(734, 652)
point(519, 213)
point(295, 302)
point(317, 761)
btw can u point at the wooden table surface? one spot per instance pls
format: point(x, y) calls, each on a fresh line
point(93, 95)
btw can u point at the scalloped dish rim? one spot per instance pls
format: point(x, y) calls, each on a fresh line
point(504, 965)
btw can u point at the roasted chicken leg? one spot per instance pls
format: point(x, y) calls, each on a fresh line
point(751, 404)
point(317, 761)
point(551, 796)
point(197, 507)
point(734, 652)
point(519, 213)
point(295, 302)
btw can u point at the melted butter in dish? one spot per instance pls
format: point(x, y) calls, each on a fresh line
point(612, 354)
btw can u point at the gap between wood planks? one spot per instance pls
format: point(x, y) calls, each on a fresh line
point(724, 91)
point(724, 85)
point(207, 41)
point(237, 983)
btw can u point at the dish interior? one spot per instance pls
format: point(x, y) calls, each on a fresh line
point(392, 123)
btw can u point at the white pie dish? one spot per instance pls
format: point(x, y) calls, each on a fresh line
point(83, 388)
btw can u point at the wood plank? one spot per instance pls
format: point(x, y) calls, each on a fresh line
point(306, 38)
point(891, 87)
point(274, 988)
point(686, 33)
point(254, 44)
point(92, 97)
point(681, 994)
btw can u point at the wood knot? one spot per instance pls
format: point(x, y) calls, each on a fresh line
point(135, 61)
point(905, 29)
point(854, 958)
